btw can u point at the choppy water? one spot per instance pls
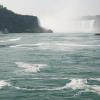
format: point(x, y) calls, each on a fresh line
point(50, 66)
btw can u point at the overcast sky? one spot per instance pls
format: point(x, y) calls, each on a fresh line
point(54, 14)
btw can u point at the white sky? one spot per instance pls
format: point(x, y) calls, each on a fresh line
point(54, 14)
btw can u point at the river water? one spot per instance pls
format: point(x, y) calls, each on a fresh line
point(50, 66)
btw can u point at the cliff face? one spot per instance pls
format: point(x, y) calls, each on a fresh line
point(16, 23)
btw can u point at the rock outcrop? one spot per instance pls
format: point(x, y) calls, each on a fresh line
point(11, 22)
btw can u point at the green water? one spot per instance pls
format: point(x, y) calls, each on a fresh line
point(48, 66)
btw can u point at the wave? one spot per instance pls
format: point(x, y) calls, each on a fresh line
point(11, 40)
point(15, 39)
point(81, 85)
point(76, 84)
point(95, 79)
point(3, 83)
point(26, 45)
point(42, 89)
point(54, 46)
point(30, 67)
point(36, 78)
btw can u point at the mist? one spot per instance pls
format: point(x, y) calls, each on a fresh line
point(58, 15)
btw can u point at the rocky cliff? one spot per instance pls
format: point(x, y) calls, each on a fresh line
point(17, 23)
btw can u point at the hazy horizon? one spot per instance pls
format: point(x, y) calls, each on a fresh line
point(55, 14)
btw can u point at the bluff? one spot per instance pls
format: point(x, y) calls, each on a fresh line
point(17, 23)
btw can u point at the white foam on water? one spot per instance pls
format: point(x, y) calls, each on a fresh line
point(15, 46)
point(81, 84)
point(95, 88)
point(54, 45)
point(27, 89)
point(33, 89)
point(97, 79)
point(15, 39)
point(43, 46)
point(30, 67)
point(3, 83)
point(11, 40)
point(76, 84)
point(28, 46)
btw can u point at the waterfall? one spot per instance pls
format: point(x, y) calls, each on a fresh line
point(87, 25)
point(92, 25)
